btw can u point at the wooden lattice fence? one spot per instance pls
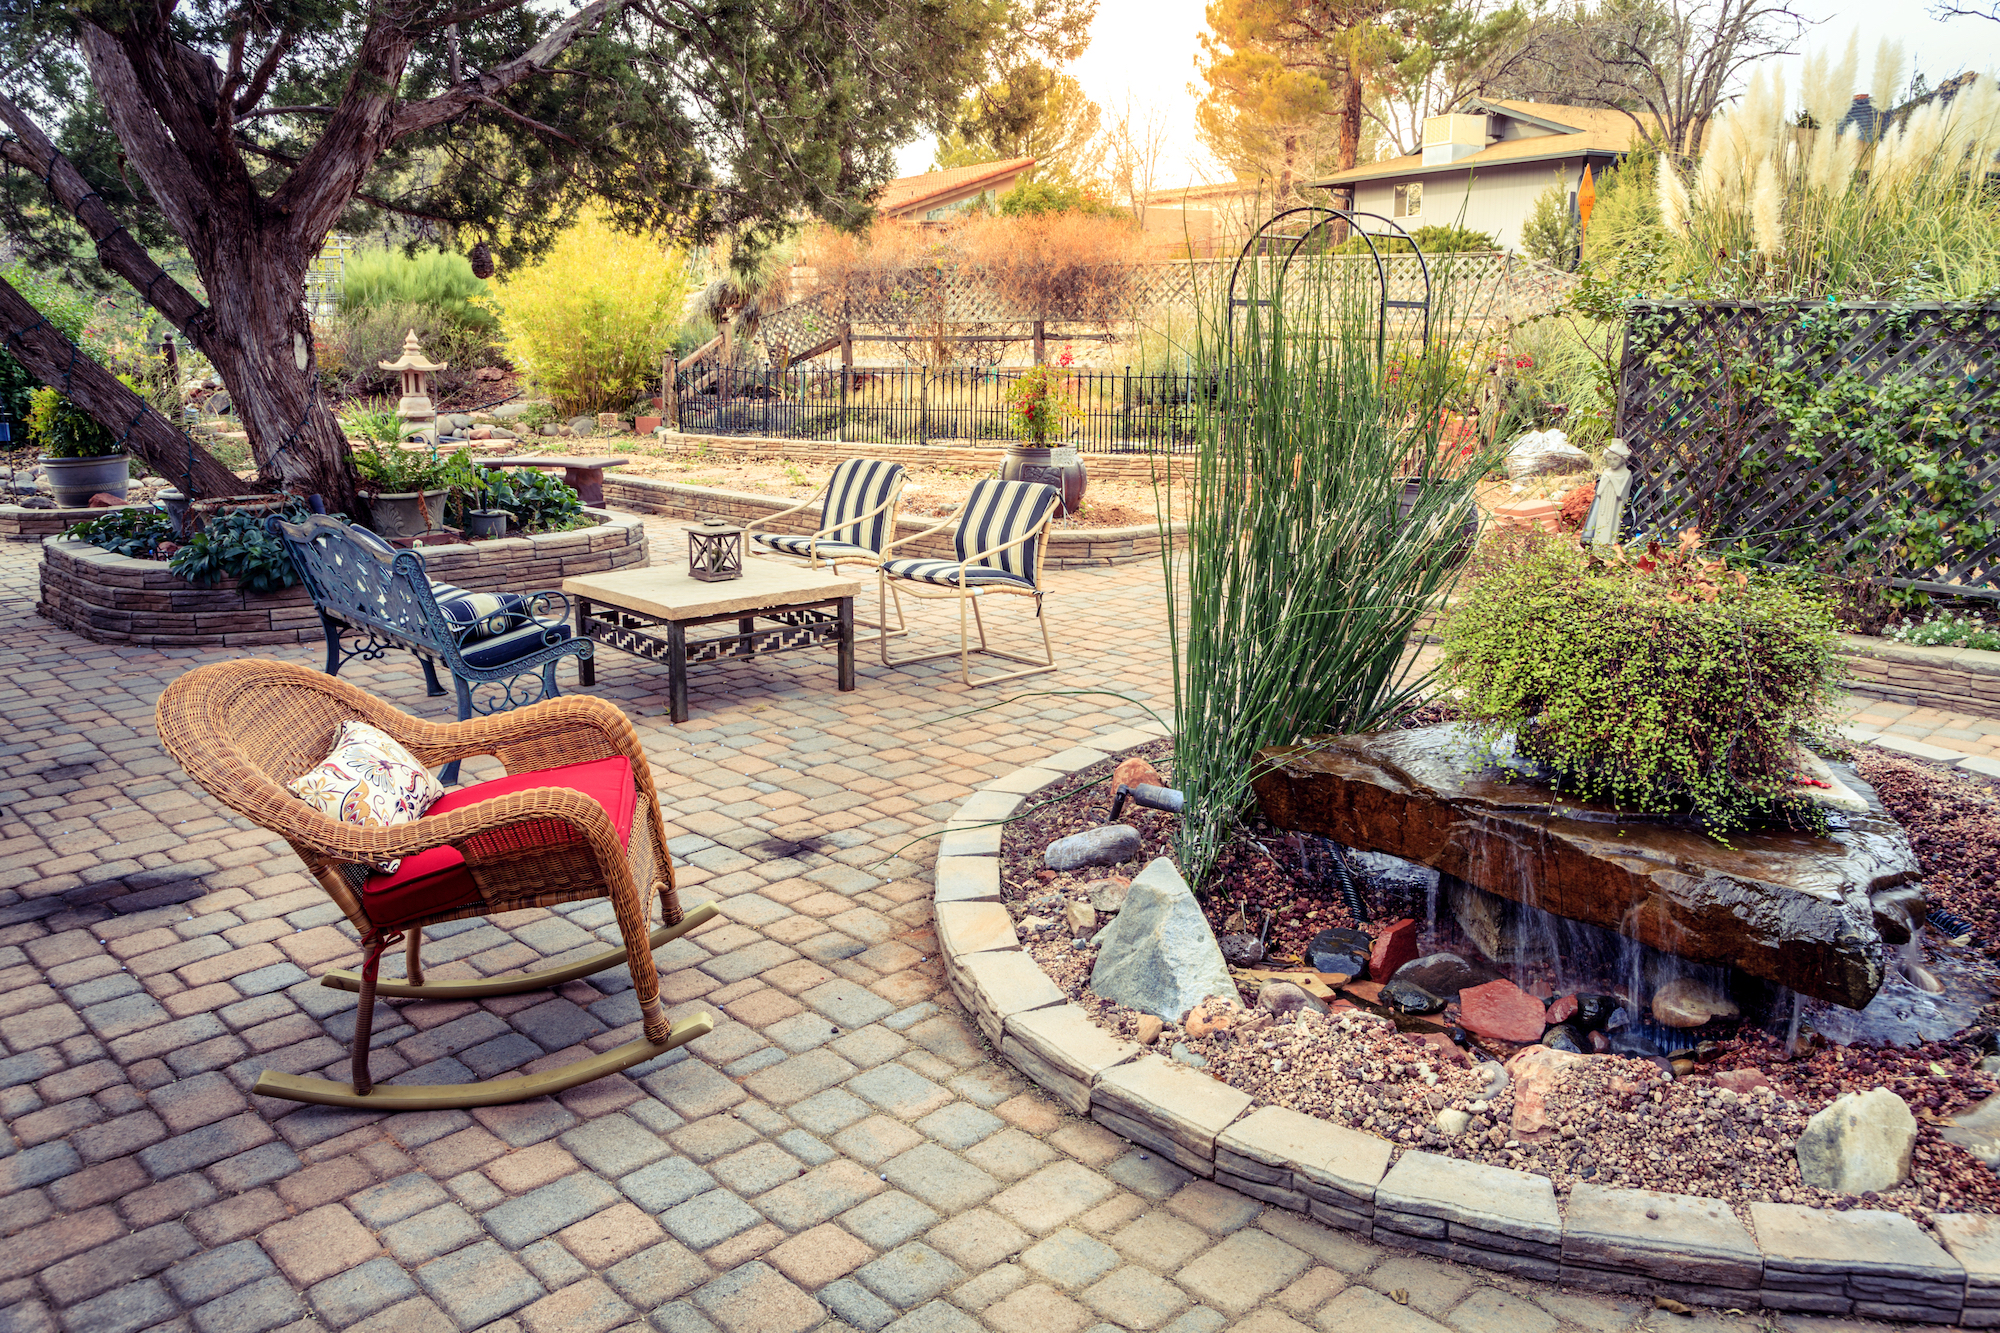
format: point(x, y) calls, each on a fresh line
point(1862, 435)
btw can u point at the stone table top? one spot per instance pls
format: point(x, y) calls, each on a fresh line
point(553, 460)
point(672, 594)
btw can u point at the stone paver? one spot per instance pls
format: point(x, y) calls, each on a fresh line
point(842, 1147)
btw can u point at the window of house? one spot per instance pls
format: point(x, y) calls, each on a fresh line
point(1410, 200)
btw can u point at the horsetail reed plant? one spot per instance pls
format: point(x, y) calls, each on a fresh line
point(1291, 611)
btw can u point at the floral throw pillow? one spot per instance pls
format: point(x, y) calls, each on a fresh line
point(369, 780)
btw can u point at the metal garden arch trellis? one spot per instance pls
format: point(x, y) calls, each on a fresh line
point(1318, 217)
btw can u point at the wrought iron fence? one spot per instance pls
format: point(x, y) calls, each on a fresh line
point(1119, 411)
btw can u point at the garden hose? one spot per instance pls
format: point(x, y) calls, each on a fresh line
point(1950, 924)
point(1349, 890)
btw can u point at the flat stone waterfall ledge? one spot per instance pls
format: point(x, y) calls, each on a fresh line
point(1819, 915)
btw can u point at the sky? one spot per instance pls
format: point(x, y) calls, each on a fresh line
point(1146, 49)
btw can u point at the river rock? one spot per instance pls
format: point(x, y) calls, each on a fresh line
point(1535, 1072)
point(1395, 945)
point(1158, 955)
point(1626, 1042)
point(1802, 912)
point(1147, 1030)
point(1080, 918)
point(1187, 1057)
point(1105, 845)
point(1501, 1010)
point(1861, 1142)
point(1687, 1003)
point(1341, 949)
point(1131, 771)
point(1283, 998)
point(1444, 974)
point(1562, 1037)
point(583, 427)
point(1451, 1122)
point(1977, 1130)
point(1107, 895)
point(1409, 998)
point(509, 411)
point(1544, 451)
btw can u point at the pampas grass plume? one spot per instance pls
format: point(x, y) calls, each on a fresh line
point(1765, 203)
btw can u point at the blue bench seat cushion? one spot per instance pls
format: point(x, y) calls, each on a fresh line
point(473, 616)
point(501, 649)
point(801, 545)
point(944, 573)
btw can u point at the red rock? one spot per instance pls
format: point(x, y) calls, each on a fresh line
point(1742, 1080)
point(1446, 1047)
point(1561, 1009)
point(105, 500)
point(1132, 771)
point(1542, 990)
point(1534, 1072)
point(1599, 1043)
point(1395, 946)
point(1502, 1010)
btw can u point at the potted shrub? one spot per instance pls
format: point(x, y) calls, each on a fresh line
point(1040, 411)
point(79, 455)
point(1662, 682)
point(488, 498)
point(406, 491)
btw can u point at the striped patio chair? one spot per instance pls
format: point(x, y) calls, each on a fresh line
point(1001, 539)
point(856, 522)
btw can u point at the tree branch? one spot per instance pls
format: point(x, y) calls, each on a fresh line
point(437, 110)
point(260, 81)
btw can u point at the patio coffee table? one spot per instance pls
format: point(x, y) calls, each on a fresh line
point(648, 613)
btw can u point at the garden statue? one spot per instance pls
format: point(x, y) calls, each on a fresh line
point(1607, 507)
point(419, 417)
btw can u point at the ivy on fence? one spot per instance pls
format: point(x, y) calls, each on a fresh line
point(1821, 434)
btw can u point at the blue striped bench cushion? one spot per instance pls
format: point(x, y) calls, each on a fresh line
point(473, 616)
point(501, 649)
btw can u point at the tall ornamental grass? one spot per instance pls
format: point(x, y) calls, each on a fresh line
point(1291, 611)
point(437, 280)
point(1784, 203)
point(590, 321)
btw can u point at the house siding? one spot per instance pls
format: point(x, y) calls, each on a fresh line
point(1494, 199)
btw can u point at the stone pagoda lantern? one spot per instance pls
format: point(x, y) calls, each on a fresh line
point(419, 417)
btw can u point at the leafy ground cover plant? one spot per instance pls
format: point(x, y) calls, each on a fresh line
point(1949, 629)
point(130, 532)
point(1660, 682)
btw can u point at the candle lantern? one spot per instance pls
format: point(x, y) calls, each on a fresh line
point(715, 551)
point(416, 411)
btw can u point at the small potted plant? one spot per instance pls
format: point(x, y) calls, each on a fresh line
point(407, 494)
point(493, 495)
point(1040, 411)
point(79, 455)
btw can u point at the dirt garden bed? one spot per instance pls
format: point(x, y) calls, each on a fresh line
point(1726, 1128)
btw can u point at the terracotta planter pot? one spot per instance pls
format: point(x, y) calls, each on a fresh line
point(646, 425)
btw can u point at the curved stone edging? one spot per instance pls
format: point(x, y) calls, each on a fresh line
point(1069, 548)
point(113, 598)
point(18, 523)
point(1957, 680)
point(1874, 1264)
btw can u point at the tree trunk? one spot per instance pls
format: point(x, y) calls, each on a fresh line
point(161, 445)
point(1350, 117)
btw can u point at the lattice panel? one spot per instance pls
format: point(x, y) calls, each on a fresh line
point(1711, 452)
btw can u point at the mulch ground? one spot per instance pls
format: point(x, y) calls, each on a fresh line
point(1610, 1120)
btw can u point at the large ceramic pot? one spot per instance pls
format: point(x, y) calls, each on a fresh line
point(72, 481)
point(1060, 468)
point(399, 515)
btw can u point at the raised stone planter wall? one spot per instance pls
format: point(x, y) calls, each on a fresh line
point(21, 524)
point(116, 599)
point(1957, 680)
point(1863, 1262)
point(1121, 467)
point(1068, 548)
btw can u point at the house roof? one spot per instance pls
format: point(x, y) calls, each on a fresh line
point(1200, 193)
point(1579, 131)
point(910, 194)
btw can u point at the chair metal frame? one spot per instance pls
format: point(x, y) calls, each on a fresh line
point(967, 594)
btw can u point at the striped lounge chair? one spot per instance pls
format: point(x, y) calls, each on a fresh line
point(1001, 539)
point(857, 519)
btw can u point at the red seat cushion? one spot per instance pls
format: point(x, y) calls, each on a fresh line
point(437, 880)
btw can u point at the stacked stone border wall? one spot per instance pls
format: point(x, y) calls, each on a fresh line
point(1076, 548)
point(1868, 1263)
point(983, 456)
point(18, 523)
point(115, 599)
point(1957, 680)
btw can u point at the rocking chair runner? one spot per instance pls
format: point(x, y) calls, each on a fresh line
point(576, 817)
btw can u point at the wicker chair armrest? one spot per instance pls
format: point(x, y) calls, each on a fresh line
point(338, 841)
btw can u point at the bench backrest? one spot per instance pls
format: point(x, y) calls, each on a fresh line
point(998, 512)
point(356, 577)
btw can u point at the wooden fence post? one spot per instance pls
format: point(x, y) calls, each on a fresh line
point(1041, 337)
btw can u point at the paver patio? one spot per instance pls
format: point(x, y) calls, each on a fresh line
point(844, 1150)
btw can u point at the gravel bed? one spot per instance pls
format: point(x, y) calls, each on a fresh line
point(1609, 1120)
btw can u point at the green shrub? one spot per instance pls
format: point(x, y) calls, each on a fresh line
point(65, 308)
point(235, 546)
point(130, 532)
point(372, 419)
point(1435, 240)
point(353, 348)
point(435, 279)
point(1949, 629)
point(1550, 234)
point(64, 430)
point(1662, 683)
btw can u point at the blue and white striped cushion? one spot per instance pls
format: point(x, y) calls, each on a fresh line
point(473, 616)
point(501, 649)
point(998, 512)
point(944, 573)
point(857, 486)
point(802, 545)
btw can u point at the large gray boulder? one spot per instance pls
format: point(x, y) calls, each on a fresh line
point(1858, 1143)
point(1158, 955)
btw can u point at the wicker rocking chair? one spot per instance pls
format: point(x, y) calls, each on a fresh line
point(575, 818)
